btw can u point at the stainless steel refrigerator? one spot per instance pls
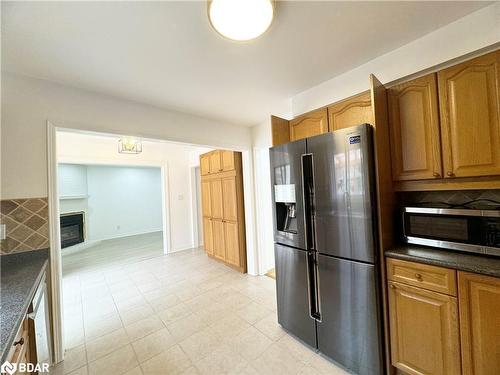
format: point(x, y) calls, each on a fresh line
point(325, 245)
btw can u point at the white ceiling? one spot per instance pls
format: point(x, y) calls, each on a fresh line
point(166, 54)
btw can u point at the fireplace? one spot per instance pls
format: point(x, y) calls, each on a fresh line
point(72, 228)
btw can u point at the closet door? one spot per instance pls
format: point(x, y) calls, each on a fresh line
point(206, 200)
point(230, 199)
point(218, 239)
point(231, 238)
point(216, 198)
point(207, 236)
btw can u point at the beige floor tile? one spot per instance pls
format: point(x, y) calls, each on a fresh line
point(135, 371)
point(81, 371)
point(174, 313)
point(130, 303)
point(212, 314)
point(187, 326)
point(135, 313)
point(118, 362)
point(253, 312)
point(106, 344)
point(299, 349)
point(101, 326)
point(269, 326)
point(165, 302)
point(173, 361)
point(250, 343)
point(191, 371)
point(277, 360)
point(200, 344)
point(223, 360)
point(325, 366)
point(73, 359)
point(153, 344)
point(229, 326)
point(144, 327)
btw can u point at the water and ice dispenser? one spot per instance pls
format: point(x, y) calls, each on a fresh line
point(286, 219)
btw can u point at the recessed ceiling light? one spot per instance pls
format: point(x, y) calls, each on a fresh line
point(241, 19)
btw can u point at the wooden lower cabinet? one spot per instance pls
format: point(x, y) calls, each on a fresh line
point(232, 242)
point(479, 304)
point(424, 331)
point(208, 236)
point(218, 239)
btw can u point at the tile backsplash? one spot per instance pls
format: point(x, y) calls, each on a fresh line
point(474, 199)
point(27, 224)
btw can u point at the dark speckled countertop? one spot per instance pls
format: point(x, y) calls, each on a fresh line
point(20, 275)
point(485, 265)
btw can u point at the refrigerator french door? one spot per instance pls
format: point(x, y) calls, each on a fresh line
point(324, 232)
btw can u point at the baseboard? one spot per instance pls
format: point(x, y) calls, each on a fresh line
point(181, 248)
point(128, 235)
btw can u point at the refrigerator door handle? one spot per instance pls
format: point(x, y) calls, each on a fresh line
point(312, 287)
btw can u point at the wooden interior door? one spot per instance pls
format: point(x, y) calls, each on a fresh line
point(231, 238)
point(218, 239)
point(216, 198)
point(309, 124)
point(230, 199)
point(424, 331)
point(479, 303)
point(470, 128)
point(208, 236)
point(351, 112)
point(204, 164)
point(414, 130)
point(206, 199)
point(215, 162)
point(227, 158)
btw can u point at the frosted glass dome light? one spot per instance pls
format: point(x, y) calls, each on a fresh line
point(241, 19)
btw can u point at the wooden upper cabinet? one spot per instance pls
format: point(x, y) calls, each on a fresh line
point(207, 236)
point(216, 198)
point(414, 130)
point(206, 199)
point(227, 160)
point(232, 242)
point(309, 124)
point(470, 128)
point(215, 161)
point(353, 111)
point(424, 330)
point(204, 164)
point(479, 304)
point(230, 199)
point(219, 246)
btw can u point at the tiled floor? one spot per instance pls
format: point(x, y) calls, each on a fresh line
point(178, 314)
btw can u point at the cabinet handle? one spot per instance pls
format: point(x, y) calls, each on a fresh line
point(435, 174)
point(450, 174)
point(20, 342)
point(418, 276)
point(392, 286)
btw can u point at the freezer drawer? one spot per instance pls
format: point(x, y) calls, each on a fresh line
point(349, 331)
point(293, 294)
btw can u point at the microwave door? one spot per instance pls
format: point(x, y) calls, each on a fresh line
point(287, 194)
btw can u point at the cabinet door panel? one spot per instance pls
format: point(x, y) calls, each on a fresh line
point(232, 242)
point(218, 239)
point(414, 130)
point(424, 331)
point(204, 164)
point(309, 124)
point(215, 162)
point(207, 236)
point(470, 128)
point(206, 199)
point(216, 198)
point(351, 112)
point(479, 300)
point(227, 158)
point(230, 198)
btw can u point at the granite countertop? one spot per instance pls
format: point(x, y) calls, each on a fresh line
point(482, 264)
point(20, 276)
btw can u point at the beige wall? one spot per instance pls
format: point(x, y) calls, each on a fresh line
point(28, 103)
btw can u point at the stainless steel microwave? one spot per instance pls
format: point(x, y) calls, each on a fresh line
point(476, 231)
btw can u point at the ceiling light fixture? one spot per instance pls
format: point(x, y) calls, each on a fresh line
point(240, 20)
point(128, 145)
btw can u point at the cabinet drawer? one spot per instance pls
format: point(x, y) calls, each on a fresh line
point(438, 279)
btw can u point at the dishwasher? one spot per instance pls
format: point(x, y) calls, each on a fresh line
point(39, 314)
